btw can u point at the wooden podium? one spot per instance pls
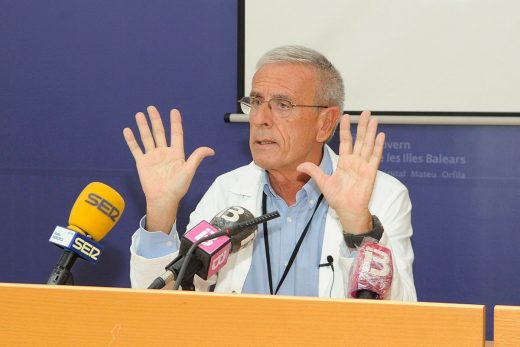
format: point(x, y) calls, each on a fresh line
point(36, 315)
point(507, 325)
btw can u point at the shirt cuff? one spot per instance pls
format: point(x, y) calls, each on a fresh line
point(155, 244)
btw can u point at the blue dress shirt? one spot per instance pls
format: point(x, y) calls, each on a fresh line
point(284, 232)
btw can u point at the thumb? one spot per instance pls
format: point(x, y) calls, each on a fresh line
point(314, 171)
point(197, 156)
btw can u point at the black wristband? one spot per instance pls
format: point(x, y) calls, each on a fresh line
point(354, 241)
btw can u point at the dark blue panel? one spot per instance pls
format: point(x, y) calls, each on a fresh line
point(465, 219)
point(73, 75)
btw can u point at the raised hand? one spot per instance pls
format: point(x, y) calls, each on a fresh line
point(164, 173)
point(349, 188)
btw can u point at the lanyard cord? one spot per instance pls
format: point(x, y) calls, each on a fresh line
point(296, 248)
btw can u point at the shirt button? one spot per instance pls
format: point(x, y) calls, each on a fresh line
point(169, 243)
point(311, 202)
point(285, 264)
point(289, 219)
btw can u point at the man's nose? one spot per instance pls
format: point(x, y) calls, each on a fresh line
point(263, 115)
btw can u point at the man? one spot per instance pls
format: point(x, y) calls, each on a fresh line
point(294, 106)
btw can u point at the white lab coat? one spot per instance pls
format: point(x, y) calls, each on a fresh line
point(242, 187)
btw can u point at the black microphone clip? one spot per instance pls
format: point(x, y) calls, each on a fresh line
point(329, 262)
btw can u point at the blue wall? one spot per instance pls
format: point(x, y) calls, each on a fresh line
point(465, 190)
point(74, 73)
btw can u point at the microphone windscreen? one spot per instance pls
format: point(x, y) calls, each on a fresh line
point(213, 253)
point(230, 217)
point(96, 210)
point(372, 270)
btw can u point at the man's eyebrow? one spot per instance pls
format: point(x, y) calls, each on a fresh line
point(281, 96)
point(274, 96)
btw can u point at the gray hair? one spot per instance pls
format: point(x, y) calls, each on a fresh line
point(329, 87)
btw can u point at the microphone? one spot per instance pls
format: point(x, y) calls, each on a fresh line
point(211, 243)
point(330, 262)
point(96, 210)
point(372, 272)
point(240, 234)
point(237, 219)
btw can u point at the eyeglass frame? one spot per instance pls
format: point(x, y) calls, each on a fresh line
point(242, 102)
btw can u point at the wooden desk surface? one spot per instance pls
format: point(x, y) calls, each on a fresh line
point(92, 316)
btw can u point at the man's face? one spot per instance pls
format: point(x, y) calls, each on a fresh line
point(284, 143)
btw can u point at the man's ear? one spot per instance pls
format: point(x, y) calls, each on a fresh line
point(327, 122)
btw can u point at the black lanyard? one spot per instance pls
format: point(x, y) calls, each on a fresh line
point(296, 248)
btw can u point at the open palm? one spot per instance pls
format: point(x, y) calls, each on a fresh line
point(164, 173)
point(349, 188)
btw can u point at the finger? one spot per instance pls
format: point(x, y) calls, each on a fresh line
point(177, 134)
point(132, 143)
point(377, 154)
point(370, 137)
point(314, 171)
point(157, 127)
point(361, 131)
point(144, 131)
point(345, 136)
point(197, 156)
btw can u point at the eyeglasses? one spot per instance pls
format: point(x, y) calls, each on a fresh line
point(280, 107)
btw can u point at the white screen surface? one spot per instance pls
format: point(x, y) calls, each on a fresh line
point(402, 55)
